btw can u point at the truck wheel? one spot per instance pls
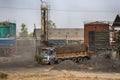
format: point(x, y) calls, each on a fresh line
point(79, 60)
point(74, 59)
point(51, 62)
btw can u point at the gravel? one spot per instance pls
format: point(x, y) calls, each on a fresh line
point(71, 48)
point(66, 65)
point(97, 65)
point(101, 64)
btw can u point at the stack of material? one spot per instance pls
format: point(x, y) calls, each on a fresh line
point(101, 64)
point(71, 48)
point(66, 65)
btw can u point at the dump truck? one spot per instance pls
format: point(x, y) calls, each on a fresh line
point(51, 55)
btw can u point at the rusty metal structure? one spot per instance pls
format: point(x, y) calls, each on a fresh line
point(116, 29)
point(96, 37)
point(43, 37)
point(99, 43)
point(91, 26)
point(44, 20)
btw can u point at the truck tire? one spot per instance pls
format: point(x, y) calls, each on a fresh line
point(80, 60)
point(74, 59)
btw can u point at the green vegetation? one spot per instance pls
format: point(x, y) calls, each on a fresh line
point(51, 24)
point(24, 31)
point(3, 75)
point(38, 58)
point(30, 35)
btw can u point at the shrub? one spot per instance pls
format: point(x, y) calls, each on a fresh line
point(39, 58)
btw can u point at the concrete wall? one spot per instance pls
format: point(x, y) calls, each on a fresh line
point(25, 48)
point(24, 54)
point(67, 34)
point(63, 34)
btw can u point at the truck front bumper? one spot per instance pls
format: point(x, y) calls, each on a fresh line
point(44, 62)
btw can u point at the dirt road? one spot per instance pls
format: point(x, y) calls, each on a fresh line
point(29, 70)
point(44, 72)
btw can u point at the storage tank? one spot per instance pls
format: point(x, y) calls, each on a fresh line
point(7, 29)
point(7, 38)
point(91, 26)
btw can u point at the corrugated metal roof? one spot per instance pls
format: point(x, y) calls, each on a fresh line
point(116, 22)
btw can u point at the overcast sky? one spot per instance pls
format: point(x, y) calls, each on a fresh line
point(65, 13)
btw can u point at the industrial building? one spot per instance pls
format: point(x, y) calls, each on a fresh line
point(92, 26)
point(62, 36)
point(116, 35)
point(7, 38)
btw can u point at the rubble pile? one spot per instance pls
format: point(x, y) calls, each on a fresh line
point(101, 64)
point(98, 64)
point(66, 65)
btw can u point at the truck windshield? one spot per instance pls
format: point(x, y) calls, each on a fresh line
point(46, 52)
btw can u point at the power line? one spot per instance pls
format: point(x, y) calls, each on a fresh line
point(82, 10)
point(58, 10)
point(19, 8)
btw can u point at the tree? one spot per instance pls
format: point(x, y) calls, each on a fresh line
point(24, 31)
point(51, 24)
point(30, 35)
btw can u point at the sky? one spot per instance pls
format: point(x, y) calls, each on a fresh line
point(65, 13)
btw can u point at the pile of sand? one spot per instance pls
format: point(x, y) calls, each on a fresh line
point(66, 65)
point(101, 64)
point(97, 64)
point(71, 48)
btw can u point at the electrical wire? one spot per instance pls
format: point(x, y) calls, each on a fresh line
point(19, 8)
point(81, 10)
point(58, 10)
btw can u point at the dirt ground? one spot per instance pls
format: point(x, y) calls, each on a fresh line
point(33, 71)
point(45, 74)
point(68, 70)
point(23, 67)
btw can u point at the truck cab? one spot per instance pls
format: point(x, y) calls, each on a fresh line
point(49, 55)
